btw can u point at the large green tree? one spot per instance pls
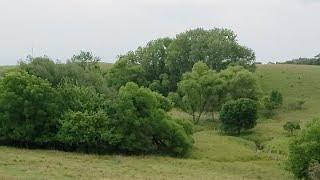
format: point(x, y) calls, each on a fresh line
point(239, 83)
point(199, 88)
point(237, 115)
point(163, 61)
point(218, 48)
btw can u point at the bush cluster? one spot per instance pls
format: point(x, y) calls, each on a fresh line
point(78, 106)
point(271, 103)
point(72, 117)
point(290, 126)
point(304, 150)
point(237, 115)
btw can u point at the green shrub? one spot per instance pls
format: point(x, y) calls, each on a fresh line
point(238, 115)
point(80, 98)
point(87, 129)
point(270, 103)
point(81, 70)
point(73, 117)
point(290, 126)
point(140, 125)
point(276, 99)
point(29, 108)
point(125, 70)
point(175, 99)
point(266, 109)
point(163, 102)
point(186, 124)
point(305, 148)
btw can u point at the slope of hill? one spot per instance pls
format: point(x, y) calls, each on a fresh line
point(297, 83)
point(214, 156)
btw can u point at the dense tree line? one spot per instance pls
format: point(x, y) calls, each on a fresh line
point(73, 117)
point(79, 106)
point(307, 61)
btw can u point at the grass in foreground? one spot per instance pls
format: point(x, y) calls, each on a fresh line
point(214, 157)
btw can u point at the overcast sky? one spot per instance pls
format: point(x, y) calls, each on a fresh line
point(275, 29)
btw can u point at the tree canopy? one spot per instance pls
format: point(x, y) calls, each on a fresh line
point(237, 115)
point(29, 108)
point(163, 61)
point(198, 89)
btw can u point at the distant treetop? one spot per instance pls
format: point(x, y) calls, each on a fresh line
point(306, 61)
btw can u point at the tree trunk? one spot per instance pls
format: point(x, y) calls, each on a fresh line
point(194, 117)
point(198, 118)
point(212, 115)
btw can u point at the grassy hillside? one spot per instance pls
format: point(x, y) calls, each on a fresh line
point(296, 82)
point(214, 155)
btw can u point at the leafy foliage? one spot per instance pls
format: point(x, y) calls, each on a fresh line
point(305, 149)
point(126, 70)
point(271, 103)
point(206, 90)
point(86, 60)
point(77, 106)
point(198, 88)
point(237, 115)
point(163, 61)
point(276, 99)
point(75, 117)
point(80, 99)
point(140, 125)
point(81, 70)
point(87, 130)
point(239, 83)
point(290, 126)
point(84, 125)
point(176, 99)
point(29, 108)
